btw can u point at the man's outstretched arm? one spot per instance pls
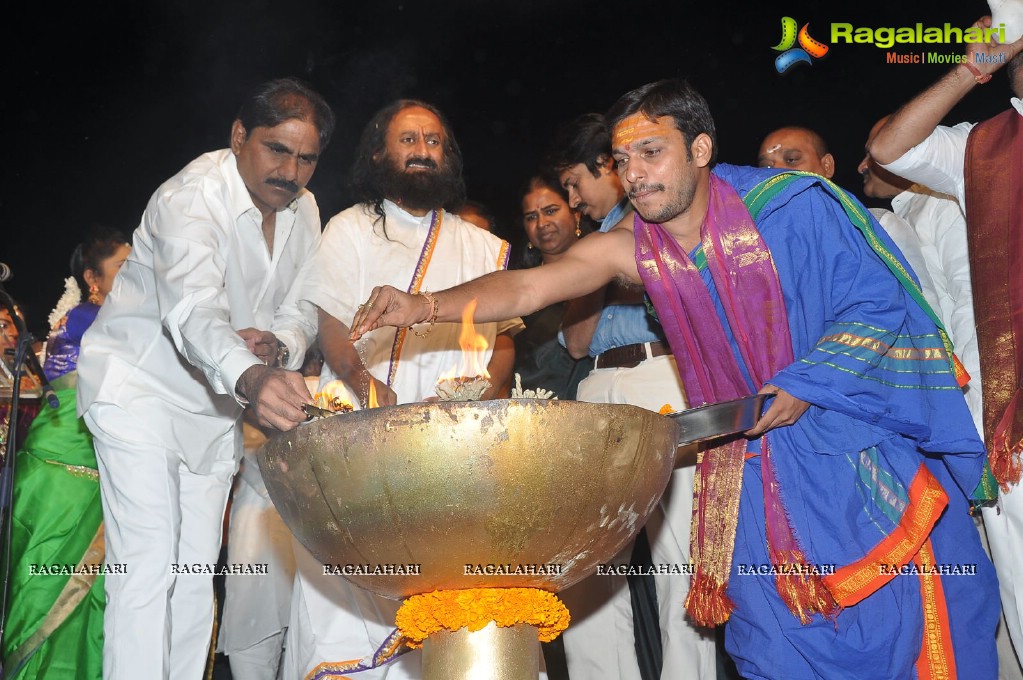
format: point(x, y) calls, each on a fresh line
point(916, 120)
point(587, 266)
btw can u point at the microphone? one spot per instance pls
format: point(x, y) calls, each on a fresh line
point(5, 273)
point(32, 363)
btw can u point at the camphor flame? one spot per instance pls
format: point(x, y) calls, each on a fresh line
point(371, 400)
point(335, 396)
point(474, 349)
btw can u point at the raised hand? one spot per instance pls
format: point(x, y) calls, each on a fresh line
point(990, 56)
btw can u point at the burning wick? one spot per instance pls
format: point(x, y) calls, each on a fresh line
point(335, 396)
point(471, 380)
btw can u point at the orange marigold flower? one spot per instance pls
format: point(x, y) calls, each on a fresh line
point(474, 608)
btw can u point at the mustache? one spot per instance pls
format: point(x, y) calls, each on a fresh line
point(421, 160)
point(285, 184)
point(643, 188)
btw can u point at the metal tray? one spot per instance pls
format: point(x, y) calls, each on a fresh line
point(711, 421)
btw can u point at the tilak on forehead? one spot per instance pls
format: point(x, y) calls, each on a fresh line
point(639, 126)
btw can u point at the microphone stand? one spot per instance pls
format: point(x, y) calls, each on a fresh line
point(23, 356)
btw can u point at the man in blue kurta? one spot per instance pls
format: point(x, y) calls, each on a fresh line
point(836, 541)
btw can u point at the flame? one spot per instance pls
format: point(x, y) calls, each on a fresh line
point(336, 396)
point(371, 401)
point(474, 349)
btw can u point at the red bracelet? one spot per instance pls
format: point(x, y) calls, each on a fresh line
point(981, 78)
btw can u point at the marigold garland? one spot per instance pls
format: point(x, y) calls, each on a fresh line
point(422, 615)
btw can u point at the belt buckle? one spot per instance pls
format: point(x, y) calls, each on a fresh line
point(633, 355)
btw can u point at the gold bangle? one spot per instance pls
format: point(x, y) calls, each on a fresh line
point(433, 314)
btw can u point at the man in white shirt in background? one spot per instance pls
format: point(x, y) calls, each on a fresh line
point(930, 229)
point(202, 320)
point(979, 165)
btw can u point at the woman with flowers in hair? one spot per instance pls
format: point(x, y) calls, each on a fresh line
point(54, 623)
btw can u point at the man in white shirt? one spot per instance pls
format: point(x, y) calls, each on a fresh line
point(203, 320)
point(407, 171)
point(913, 144)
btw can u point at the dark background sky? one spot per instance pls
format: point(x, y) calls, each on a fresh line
point(104, 101)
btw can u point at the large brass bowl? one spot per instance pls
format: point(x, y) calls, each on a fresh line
point(509, 485)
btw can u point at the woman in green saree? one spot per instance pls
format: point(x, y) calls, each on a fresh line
point(54, 625)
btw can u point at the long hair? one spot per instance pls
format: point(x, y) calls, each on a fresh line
point(364, 174)
point(675, 98)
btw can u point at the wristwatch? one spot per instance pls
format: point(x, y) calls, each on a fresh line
point(283, 355)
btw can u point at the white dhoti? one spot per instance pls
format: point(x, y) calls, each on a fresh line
point(256, 606)
point(335, 620)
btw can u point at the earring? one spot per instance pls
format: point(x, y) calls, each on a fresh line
point(578, 231)
point(529, 246)
point(94, 294)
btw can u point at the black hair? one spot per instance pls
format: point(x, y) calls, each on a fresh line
point(480, 209)
point(275, 101)
point(672, 97)
point(586, 140)
point(527, 257)
point(364, 176)
point(101, 243)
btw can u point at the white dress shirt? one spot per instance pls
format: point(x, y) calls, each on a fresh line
point(940, 227)
point(938, 162)
point(164, 346)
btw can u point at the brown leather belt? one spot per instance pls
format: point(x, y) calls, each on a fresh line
point(629, 356)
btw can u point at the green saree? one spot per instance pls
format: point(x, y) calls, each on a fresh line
point(55, 619)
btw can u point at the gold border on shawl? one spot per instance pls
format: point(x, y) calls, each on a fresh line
point(417, 281)
point(74, 591)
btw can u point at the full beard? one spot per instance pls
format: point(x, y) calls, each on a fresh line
point(420, 190)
